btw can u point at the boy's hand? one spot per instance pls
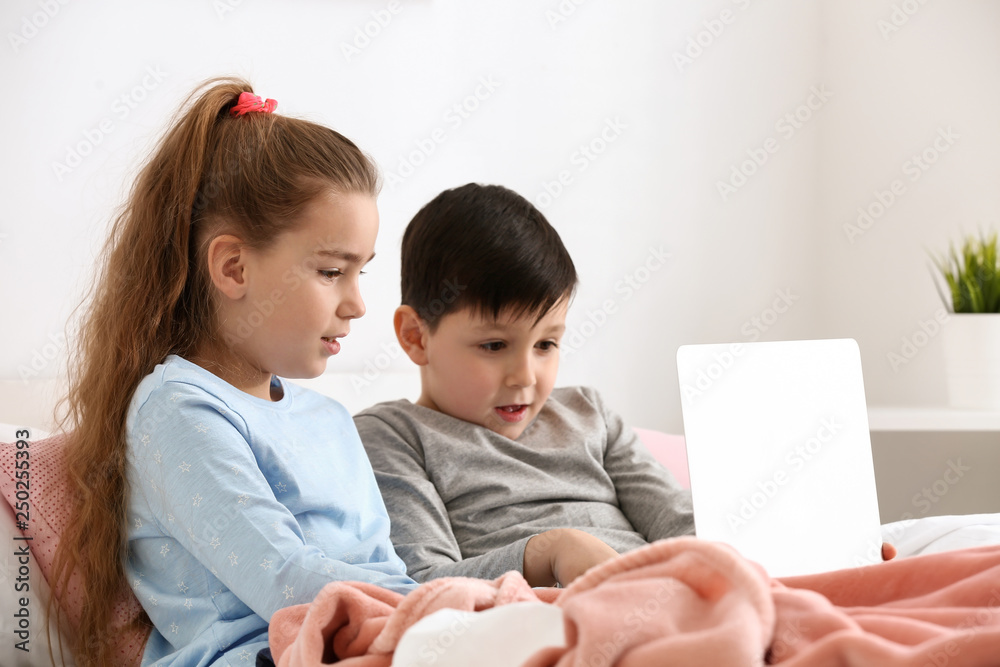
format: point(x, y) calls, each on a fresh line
point(562, 555)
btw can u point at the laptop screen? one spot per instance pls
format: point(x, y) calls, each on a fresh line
point(779, 452)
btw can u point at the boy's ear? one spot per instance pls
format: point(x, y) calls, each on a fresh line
point(227, 265)
point(411, 331)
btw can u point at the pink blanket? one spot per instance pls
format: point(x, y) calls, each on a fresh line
point(691, 602)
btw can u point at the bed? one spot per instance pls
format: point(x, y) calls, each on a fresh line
point(25, 410)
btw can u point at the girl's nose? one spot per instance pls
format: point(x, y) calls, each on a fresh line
point(351, 306)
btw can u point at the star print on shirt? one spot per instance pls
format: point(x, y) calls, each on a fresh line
point(196, 499)
point(288, 592)
point(201, 428)
point(138, 523)
point(153, 601)
point(170, 518)
point(310, 533)
point(233, 558)
point(174, 396)
point(164, 550)
point(157, 456)
point(185, 466)
point(280, 486)
point(215, 543)
point(236, 470)
point(174, 628)
point(245, 654)
point(266, 564)
point(188, 603)
point(144, 439)
point(182, 587)
point(242, 499)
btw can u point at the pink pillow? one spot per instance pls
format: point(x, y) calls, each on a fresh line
point(49, 512)
point(669, 450)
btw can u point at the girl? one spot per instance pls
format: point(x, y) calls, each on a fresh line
point(218, 492)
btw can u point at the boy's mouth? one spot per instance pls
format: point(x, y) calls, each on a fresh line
point(332, 344)
point(511, 413)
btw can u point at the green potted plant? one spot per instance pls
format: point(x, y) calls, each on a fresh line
point(971, 337)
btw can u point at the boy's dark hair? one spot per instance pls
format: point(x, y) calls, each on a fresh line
point(483, 247)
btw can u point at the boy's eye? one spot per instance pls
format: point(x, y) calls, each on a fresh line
point(547, 345)
point(492, 346)
point(331, 273)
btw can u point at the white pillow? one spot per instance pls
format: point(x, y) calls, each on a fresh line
point(8, 432)
point(13, 567)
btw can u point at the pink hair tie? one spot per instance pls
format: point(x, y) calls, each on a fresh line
point(250, 103)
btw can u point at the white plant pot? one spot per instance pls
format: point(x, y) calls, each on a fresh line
point(972, 360)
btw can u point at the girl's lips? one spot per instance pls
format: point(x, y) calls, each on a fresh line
point(512, 413)
point(332, 345)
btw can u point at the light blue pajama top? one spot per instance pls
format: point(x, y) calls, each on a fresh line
point(241, 506)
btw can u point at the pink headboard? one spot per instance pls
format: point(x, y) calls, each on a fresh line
point(669, 450)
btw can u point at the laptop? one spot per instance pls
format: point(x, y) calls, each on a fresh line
point(779, 452)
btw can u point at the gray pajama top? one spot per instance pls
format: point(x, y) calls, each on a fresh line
point(464, 501)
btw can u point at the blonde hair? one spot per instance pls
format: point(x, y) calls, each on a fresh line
point(251, 174)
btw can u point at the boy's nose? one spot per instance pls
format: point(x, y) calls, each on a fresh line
point(521, 373)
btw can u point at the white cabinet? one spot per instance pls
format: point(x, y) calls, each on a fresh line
point(932, 460)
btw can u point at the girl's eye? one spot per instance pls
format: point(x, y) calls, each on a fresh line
point(331, 273)
point(493, 346)
point(547, 345)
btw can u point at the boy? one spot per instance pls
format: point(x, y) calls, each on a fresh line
point(492, 469)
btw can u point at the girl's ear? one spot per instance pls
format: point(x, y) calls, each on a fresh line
point(227, 265)
point(412, 333)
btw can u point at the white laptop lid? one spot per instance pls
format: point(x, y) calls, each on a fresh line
point(779, 452)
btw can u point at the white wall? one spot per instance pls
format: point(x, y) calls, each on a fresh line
point(678, 128)
point(934, 80)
